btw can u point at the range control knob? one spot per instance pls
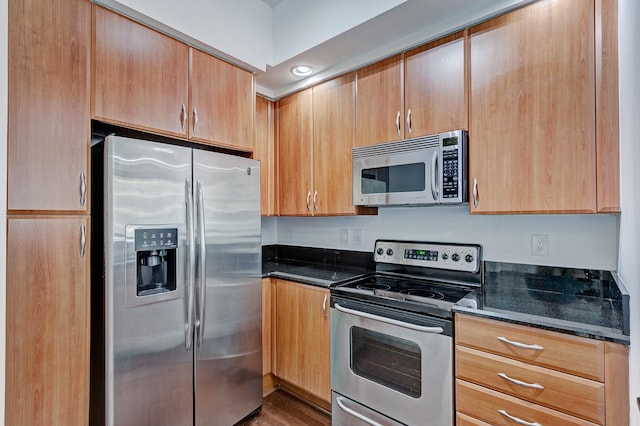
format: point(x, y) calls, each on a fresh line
point(445, 256)
point(380, 251)
point(468, 258)
point(389, 252)
point(455, 257)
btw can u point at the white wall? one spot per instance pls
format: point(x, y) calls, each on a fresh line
point(629, 266)
point(574, 240)
point(3, 194)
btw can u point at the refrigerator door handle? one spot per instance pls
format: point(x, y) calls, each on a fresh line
point(203, 263)
point(191, 266)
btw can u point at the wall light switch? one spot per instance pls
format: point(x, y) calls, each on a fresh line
point(539, 244)
point(344, 236)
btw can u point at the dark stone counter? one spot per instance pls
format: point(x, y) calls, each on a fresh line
point(314, 266)
point(586, 303)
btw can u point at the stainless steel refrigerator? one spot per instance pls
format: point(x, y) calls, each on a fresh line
point(176, 290)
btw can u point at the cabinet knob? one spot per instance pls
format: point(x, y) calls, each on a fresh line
point(183, 117)
point(195, 120)
point(475, 193)
point(398, 123)
point(409, 121)
point(83, 189)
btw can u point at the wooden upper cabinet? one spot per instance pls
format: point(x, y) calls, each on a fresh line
point(265, 151)
point(295, 151)
point(48, 105)
point(435, 95)
point(149, 81)
point(607, 114)
point(47, 324)
point(140, 77)
point(333, 142)
point(532, 109)
point(222, 98)
point(380, 102)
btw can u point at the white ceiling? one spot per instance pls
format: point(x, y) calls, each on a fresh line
point(408, 24)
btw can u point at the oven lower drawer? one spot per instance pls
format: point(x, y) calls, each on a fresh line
point(345, 412)
point(393, 362)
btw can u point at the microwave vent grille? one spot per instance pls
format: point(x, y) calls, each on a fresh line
point(426, 142)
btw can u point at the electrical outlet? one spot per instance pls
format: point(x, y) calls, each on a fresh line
point(357, 237)
point(344, 236)
point(539, 244)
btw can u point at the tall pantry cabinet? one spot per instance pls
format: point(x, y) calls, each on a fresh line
point(47, 325)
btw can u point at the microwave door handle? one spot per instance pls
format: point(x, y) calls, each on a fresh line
point(434, 175)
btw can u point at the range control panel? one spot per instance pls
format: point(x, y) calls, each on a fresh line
point(455, 257)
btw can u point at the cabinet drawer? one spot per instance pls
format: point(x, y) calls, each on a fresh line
point(464, 420)
point(571, 394)
point(494, 408)
point(564, 352)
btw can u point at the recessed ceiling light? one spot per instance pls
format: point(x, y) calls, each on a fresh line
point(301, 70)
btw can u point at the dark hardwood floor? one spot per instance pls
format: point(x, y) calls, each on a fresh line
point(280, 408)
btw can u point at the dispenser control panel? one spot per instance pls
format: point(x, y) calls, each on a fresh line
point(156, 239)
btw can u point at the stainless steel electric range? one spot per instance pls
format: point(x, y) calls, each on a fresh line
point(391, 334)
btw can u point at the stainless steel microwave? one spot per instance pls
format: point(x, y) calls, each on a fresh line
point(421, 171)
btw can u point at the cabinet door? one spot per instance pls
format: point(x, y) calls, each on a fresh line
point(333, 141)
point(379, 102)
point(295, 145)
point(532, 109)
point(222, 105)
point(139, 77)
point(302, 337)
point(47, 322)
point(265, 151)
point(48, 104)
point(435, 95)
point(266, 325)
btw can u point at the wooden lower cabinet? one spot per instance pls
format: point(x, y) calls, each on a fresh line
point(508, 373)
point(47, 354)
point(301, 338)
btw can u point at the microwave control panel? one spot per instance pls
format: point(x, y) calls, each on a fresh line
point(450, 182)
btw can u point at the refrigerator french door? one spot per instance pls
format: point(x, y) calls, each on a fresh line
point(176, 296)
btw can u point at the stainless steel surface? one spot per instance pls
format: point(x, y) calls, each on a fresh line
point(434, 401)
point(229, 362)
point(183, 117)
point(518, 420)
point(308, 205)
point(409, 121)
point(520, 382)
point(315, 197)
point(324, 306)
point(425, 170)
point(195, 120)
point(83, 240)
point(83, 189)
point(475, 193)
point(150, 371)
point(520, 345)
point(402, 253)
point(398, 123)
point(346, 412)
point(414, 327)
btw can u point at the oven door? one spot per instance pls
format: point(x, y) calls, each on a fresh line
point(393, 362)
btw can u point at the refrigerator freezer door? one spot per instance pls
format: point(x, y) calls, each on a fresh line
point(228, 370)
point(148, 370)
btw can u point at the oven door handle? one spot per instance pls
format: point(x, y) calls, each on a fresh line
point(354, 413)
point(438, 330)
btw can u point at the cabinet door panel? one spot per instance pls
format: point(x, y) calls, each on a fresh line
point(139, 76)
point(333, 128)
point(47, 322)
point(48, 104)
point(532, 103)
point(302, 337)
point(379, 100)
point(265, 151)
point(295, 150)
point(435, 87)
point(224, 97)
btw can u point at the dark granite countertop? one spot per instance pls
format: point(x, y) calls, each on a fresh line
point(585, 303)
point(314, 266)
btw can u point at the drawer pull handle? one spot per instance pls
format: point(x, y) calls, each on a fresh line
point(521, 383)
point(517, 420)
point(520, 345)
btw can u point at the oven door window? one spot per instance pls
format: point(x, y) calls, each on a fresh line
point(389, 179)
point(387, 360)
